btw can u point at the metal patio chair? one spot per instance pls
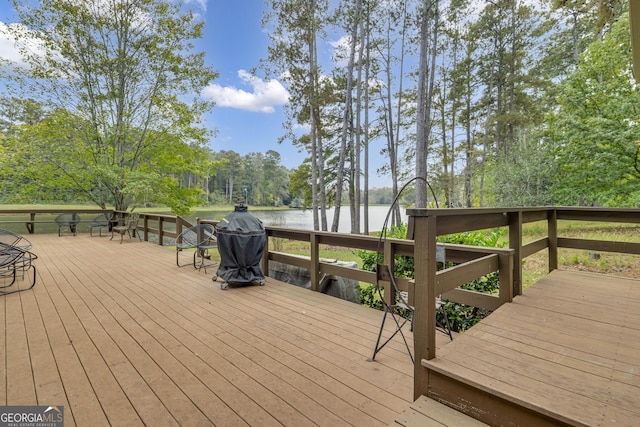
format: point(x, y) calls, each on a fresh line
point(70, 220)
point(16, 259)
point(101, 221)
point(201, 238)
point(129, 227)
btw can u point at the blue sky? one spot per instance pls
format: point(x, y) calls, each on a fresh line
point(249, 112)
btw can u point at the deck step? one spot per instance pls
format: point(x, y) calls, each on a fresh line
point(426, 412)
point(484, 402)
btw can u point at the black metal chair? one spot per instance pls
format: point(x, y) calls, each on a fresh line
point(201, 238)
point(101, 221)
point(15, 257)
point(70, 220)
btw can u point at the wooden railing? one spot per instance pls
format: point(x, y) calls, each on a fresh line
point(424, 227)
point(426, 224)
point(154, 227)
point(32, 217)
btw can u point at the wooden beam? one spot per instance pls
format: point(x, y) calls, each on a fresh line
point(552, 232)
point(314, 269)
point(535, 247)
point(454, 277)
point(333, 269)
point(599, 214)
point(295, 260)
point(515, 243)
point(600, 245)
point(473, 298)
point(424, 335)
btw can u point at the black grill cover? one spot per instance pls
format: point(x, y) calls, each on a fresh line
point(241, 240)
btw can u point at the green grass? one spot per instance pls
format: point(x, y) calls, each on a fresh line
point(536, 266)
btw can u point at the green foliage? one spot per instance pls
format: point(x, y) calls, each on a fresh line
point(256, 179)
point(300, 179)
point(123, 110)
point(475, 238)
point(370, 296)
point(461, 317)
point(595, 131)
point(526, 179)
point(402, 266)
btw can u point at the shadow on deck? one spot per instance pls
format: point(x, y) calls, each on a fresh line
point(566, 352)
point(118, 335)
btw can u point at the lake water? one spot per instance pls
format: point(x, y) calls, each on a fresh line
point(303, 219)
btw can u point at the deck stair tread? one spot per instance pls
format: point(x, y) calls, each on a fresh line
point(426, 412)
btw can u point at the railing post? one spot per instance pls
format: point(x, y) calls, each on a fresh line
point(178, 225)
point(160, 230)
point(315, 262)
point(389, 292)
point(424, 334)
point(552, 233)
point(31, 226)
point(515, 243)
point(505, 277)
point(265, 254)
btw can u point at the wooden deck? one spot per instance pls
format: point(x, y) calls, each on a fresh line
point(119, 335)
point(426, 412)
point(566, 352)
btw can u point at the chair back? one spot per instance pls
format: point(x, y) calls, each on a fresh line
point(198, 235)
point(13, 247)
point(132, 222)
point(102, 220)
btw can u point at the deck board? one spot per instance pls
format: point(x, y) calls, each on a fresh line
point(425, 412)
point(119, 335)
point(569, 346)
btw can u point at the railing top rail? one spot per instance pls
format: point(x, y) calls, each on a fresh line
point(480, 211)
point(471, 211)
point(54, 211)
point(476, 249)
point(595, 209)
point(169, 217)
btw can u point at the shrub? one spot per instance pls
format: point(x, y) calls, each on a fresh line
point(403, 266)
point(461, 317)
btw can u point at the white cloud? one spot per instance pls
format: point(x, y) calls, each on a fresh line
point(263, 99)
point(341, 49)
point(8, 49)
point(201, 3)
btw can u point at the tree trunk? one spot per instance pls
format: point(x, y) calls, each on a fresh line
point(366, 129)
point(425, 100)
point(346, 117)
point(421, 108)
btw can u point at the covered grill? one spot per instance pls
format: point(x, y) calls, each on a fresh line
point(241, 241)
